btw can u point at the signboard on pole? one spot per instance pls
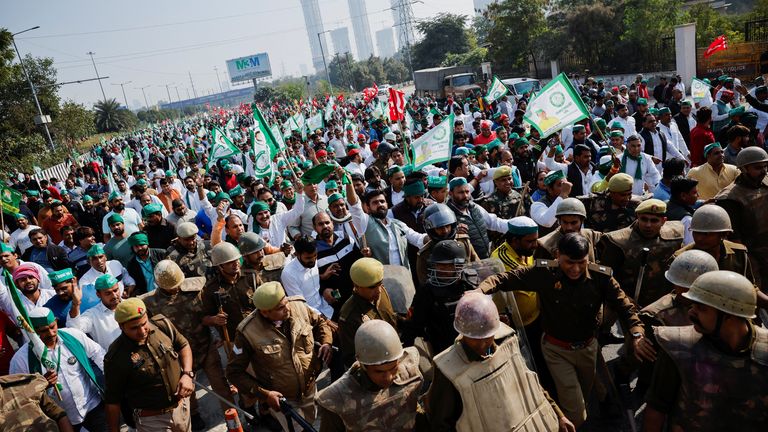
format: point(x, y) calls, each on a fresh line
point(248, 68)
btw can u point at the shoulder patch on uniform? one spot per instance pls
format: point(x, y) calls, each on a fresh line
point(598, 268)
point(551, 263)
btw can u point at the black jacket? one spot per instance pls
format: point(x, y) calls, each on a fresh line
point(134, 269)
point(56, 255)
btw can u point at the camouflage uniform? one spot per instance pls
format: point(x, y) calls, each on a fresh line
point(716, 390)
point(505, 206)
point(621, 250)
point(26, 406)
point(193, 264)
point(354, 403)
point(601, 216)
point(425, 251)
point(354, 312)
point(236, 299)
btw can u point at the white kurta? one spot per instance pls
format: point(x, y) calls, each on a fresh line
point(99, 322)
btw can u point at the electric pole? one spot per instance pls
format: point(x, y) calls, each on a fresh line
point(42, 119)
point(193, 84)
point(122, 86)
point(91, 53)
point(218, 79)
point(145, 95)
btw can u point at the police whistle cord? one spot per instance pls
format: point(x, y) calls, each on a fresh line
point(291, 415)
point(224, 401)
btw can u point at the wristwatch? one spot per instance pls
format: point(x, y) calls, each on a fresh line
point(190, 374)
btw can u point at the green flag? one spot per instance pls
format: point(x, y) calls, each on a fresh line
point(329, 109)
point(221, 147)
point(496, 91)
point(278, 136)
point(700, 90)
point(315, 122)
point(434, 146)
point(556, 106)
point(10, 198)
point(265, 148)
point(317, 173)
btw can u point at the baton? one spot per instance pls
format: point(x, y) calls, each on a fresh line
point(643, 264)
point(224, 401)
point(290, 414)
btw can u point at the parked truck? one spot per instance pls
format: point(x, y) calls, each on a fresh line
point(441, 82)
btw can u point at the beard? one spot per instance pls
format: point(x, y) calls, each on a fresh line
point(380, 213)
point(119, 208)
point(326, 233)
point(118, 231)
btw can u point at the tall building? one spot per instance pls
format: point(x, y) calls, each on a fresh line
point(340, 41)
point(313, 21)
point(482, 5)
point(385, 43)
point(361, 28)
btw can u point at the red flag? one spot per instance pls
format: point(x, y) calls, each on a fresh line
point(396, 104)
point(370, 92)
point(720, 43)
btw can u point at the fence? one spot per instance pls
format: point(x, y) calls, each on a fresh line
point(660, 56)
point(60, 171)
point(756, 30)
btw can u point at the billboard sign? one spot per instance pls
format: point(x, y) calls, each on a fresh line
point(249, 67)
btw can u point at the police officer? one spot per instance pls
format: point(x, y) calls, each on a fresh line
point(746, 201)
point(711, 376)
point(178, 299)
point(277, 340)
point(27, 407)
point(149, 368)
point(505, 202)
point(251, 246)
point(623, 250)
point(369, 300)
point(711, 227)
point(613, 209)
point(441, 224)
point(381, 389)
point(482, 383)
point(189, 251)
point(227, 294)
point(571, 292)
point(570, 215)
point(435, 303)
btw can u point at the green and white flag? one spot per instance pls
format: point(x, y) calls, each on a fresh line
point(434, 146)
point(380, 109)
point(111, 181)
point(278, 136)
point(315, 122)
point(700, 90)
point(409, 122)
point(329, 109)
point(350, 125)
point(298, 122)
point(11, 199)
point(221, 147)
point(202, 132)
point(556, 106)
point(496, 91)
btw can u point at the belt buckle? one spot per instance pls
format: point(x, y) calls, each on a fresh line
point(578, 345)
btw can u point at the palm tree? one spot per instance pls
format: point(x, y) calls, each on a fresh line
point(108, 116)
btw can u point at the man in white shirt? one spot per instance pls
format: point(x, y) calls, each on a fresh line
point(626, 121)
point(131, 219)
point(28, 280)
point(98, 321)
point(69, 364)
point(272, 228)
point(672, 132)
point(191, 195)
point(639, 166)
point(355, 164)
point(661, 149)
point(101, 266)
point(543, 211)
point(302, 277)
point(20, 237)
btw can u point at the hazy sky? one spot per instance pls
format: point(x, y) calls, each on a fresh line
point(153, 43)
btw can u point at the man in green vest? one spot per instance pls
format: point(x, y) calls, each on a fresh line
point(70, 363)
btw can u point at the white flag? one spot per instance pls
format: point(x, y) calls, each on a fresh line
point(496, 91)
point(221, 147)
point(700, 92)
point(556, 106)
point(434, 146)
point(315, 122)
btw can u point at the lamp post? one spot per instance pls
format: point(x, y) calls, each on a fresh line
point(41, 119)
point(145, 95)
point(91, 53)
point(325, 64)
point(122, 87)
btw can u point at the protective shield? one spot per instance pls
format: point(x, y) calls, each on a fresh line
point(399, 285)
point(505, 302)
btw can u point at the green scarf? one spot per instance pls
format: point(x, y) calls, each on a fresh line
point(638, 159)
point(290, 201)
point(77, 350)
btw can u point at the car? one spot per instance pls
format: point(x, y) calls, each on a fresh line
point(384, 90)
point(520, 86)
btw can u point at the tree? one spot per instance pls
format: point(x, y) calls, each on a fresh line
point(395, 71)
point(711, 24)
point(470, 58)
point(108, 116)
point(290, 91)
point(74, 122)
point(443, 34)
point(516, 25)
point(593, 46)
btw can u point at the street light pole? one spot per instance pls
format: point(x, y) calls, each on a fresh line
point(325, 64)
point(122, 87)
point(221, 89)
point(32, 87)
point(91, 53)
point(145, 95)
